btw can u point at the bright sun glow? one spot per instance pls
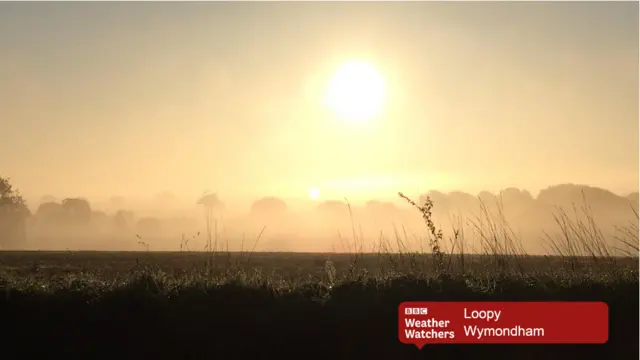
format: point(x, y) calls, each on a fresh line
point(356, 92)
point(314, 193)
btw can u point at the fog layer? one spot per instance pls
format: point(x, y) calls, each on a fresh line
point(271, 224)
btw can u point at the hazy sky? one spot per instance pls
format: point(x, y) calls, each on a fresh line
point(98, 99)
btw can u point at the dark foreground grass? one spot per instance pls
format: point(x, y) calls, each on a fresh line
point(196, 306)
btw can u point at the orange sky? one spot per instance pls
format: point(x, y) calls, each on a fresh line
point(111, 98)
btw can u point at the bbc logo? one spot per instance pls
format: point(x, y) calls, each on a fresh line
point(415, 311)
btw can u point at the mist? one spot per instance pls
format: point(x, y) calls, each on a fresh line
point(169, 223)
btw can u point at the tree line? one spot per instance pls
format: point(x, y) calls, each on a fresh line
point(77, 213)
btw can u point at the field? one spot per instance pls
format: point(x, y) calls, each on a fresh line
point(269, 305)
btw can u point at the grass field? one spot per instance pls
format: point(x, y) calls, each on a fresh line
point(269, 305)
point(182, 305)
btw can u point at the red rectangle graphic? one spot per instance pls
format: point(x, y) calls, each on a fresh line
point(422, 323)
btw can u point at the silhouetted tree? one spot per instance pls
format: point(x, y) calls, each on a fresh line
point(99, 217)
point(268, 207)
point(634, 199)
point(461, 202)
point(77, 210)
point(440, 200)
point(568, 195)
point(514, 195)
point(487, 198)
point(123, 220)
point(50, 212)
point(211, 201)
point(13, 215)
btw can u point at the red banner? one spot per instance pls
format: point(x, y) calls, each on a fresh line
point(423, 323)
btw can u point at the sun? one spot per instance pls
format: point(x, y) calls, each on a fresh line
point(356, 92)
point(314, 193)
